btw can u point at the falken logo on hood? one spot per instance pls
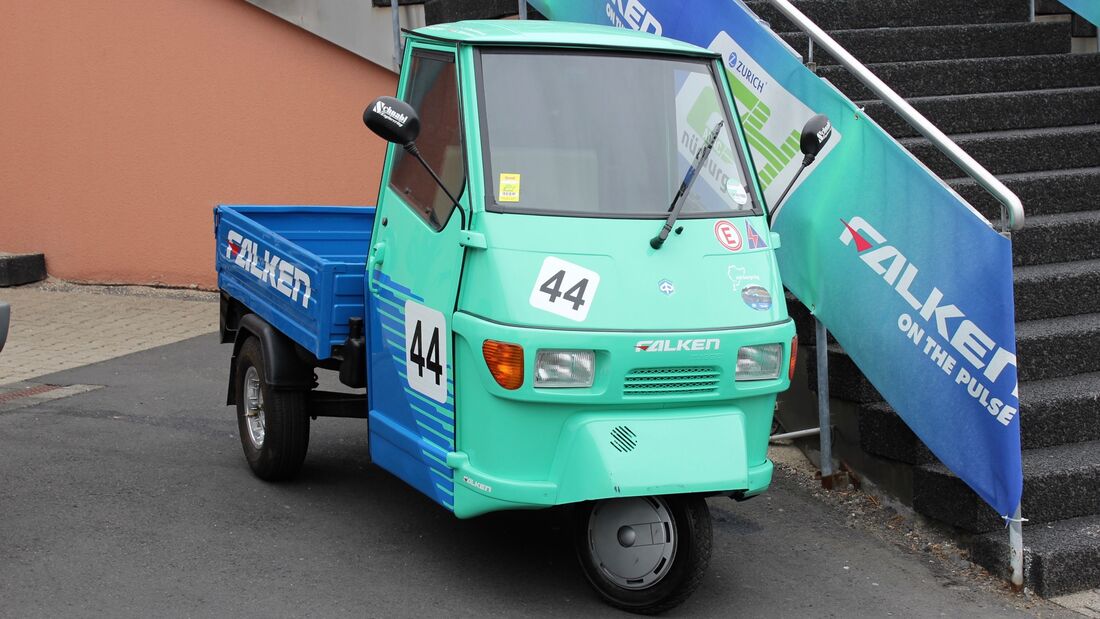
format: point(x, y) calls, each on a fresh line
point(279, 273)
point(676, 345)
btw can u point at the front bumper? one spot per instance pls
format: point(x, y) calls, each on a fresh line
point(603, 456)
point(532, 448)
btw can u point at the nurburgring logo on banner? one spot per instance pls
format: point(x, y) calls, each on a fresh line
point(772, 118)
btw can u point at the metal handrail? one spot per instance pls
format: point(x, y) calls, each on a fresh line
point(1011, 203)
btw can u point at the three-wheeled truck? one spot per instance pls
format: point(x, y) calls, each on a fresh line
point(567, 294)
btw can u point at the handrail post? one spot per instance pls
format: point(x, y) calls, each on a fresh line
point(396, 18)
point(1016, 545)
point(823, 414)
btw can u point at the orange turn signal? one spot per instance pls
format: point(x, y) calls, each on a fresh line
point(794, 356)
point(505, 362)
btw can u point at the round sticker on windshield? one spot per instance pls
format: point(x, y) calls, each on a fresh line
point(757, 297)
point(737, 192)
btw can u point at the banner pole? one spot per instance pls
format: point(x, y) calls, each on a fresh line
point(523, 9)
point(396, 18)
point(1016, 542)
point(822, 350)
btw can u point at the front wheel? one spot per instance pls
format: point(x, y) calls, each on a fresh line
point(644, 554)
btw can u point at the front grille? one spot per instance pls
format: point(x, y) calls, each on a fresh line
point(669, 381)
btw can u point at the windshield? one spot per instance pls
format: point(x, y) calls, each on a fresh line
point(604, 135)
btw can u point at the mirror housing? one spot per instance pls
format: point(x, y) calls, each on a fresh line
point(815, 133)
point(393, 120)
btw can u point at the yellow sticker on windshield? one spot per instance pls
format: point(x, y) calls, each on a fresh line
point(509, 188)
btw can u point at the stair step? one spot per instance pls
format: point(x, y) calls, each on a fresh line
point(1059, 482)
point(998, 111)
point(1059, 558)
point(830, 15)
point(1018, 150)
point(924, 78)
point(882, 432)
point(1058, 289)
point(846, 381)
point(1054, 347)
point(943, 42)
point(1062, 237)
point(1058, 411)
point(1042, 193)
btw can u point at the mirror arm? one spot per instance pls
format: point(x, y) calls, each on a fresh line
point(806, 161)
point(415, 152)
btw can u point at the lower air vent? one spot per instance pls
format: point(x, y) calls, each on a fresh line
point(623, 439)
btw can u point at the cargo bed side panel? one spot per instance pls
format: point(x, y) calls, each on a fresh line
point(300, 268)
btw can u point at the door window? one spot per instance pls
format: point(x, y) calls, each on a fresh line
point(432, 90)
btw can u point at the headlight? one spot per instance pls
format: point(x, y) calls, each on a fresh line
point(759, 362)
point(565, 368)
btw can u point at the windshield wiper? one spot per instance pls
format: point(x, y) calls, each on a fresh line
point(685, 186)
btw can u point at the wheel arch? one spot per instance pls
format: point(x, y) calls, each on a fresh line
point(284, 368)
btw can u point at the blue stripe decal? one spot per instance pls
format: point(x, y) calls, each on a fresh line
point(433, 421)
point(387, 281)
point(434, 458)
point(448, 440)
point(444, 423)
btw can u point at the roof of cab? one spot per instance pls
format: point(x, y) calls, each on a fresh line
point(554, 34)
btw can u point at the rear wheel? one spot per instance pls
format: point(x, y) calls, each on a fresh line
point(273, 423)
point(644, 554)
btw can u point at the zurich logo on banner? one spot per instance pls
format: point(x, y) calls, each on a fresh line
point(928, 317)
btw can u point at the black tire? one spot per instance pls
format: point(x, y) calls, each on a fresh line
point(281, 448)
point(677, 580)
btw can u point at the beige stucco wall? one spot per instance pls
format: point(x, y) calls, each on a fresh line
point(122, 123)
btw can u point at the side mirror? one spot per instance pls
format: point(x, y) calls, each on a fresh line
point(815, 134)
point(393, 120)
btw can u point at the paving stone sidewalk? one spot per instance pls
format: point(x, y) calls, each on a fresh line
point(56, 326)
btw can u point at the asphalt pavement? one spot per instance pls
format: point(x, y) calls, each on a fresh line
point(134, 500)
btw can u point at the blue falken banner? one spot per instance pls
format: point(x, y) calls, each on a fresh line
point(913, 282)
point(1089, 9)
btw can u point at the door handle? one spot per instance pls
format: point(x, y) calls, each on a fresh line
point(378, 253)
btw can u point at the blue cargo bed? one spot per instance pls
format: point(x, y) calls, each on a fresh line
point(300, 268)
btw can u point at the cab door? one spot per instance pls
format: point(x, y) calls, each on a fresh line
point(414, 269)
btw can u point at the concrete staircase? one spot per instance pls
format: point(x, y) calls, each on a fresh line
point(1011, 94)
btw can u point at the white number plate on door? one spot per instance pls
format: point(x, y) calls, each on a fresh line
point(426, 351)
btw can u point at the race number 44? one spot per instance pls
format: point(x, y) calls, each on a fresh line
point(426, 351)
point(565, 289)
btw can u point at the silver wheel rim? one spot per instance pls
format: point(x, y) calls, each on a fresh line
point(632, 541)
point(254, 407)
